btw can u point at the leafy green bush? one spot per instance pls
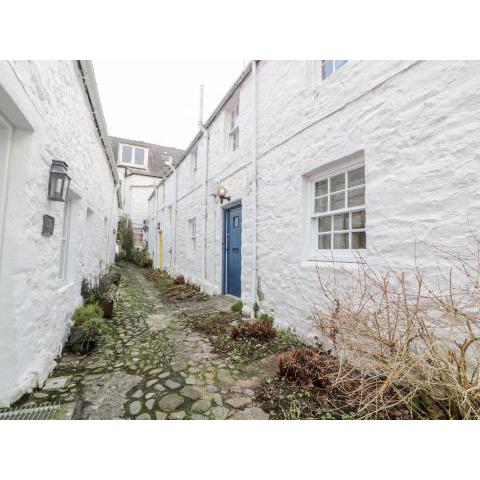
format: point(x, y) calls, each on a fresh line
point(85, 313)
point(86, 336)
point(237, 307)
point(265, 317)
point(125, 237)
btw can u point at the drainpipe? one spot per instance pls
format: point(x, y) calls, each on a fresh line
point(110, 230)
point(254, 186)
point(205, 186)
point(173, 169)
point(157, 201)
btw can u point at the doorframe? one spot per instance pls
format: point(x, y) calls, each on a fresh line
point(225, 209)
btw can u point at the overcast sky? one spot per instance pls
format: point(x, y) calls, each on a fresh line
point(158, 101)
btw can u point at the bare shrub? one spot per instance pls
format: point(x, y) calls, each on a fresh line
point(415, 337)
point(263, 330)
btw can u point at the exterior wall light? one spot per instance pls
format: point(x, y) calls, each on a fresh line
point(59, 181)
point(145, 226)
point(222, 194)
point(159, 227)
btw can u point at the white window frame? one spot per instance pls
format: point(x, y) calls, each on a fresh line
point(192, 231)
point(65, 239)
point(332, 254)
point(132, 163)
point(334, 68)
point(233, 126)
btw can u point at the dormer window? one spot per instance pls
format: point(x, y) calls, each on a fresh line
point(133, 156)
point(329, 67)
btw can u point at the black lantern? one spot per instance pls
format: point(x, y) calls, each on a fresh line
point(59, 181)
point(145, 226)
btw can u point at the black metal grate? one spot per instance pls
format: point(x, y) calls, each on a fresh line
point(45, 411)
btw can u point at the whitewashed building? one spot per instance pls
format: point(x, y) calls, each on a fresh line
point(318, 162)
point(49, 111)
point(140, 166)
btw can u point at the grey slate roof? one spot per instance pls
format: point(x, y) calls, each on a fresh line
point(157, 155)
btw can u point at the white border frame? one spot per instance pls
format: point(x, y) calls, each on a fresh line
point(332, 255)
point(133, 165)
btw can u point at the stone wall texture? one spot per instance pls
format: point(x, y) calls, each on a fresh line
point(47, 104)
point(414, 124)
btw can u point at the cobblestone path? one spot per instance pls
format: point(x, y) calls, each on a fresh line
point(152, 366)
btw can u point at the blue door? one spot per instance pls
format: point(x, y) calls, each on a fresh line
point(233, 252)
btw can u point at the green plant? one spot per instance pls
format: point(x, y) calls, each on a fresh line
point(86, 336)
point(295, 410)
point(96, 288)
point(265, 317)
point(87, 312)
point(237, 307)
point(125, 237)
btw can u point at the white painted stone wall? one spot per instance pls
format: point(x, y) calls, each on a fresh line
point(136, 190)
point(229, 169)
point(47, 104)
point(416, 126)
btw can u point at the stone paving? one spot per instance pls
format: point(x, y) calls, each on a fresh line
point(152, 366)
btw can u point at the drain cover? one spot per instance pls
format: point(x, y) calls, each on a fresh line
point(45, 411)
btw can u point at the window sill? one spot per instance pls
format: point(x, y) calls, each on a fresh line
point(345, 257)
point(132, 165)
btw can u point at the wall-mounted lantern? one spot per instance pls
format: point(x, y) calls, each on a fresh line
point(145, 226)
point(59, 181)
point(159, 227)
point(222, 194)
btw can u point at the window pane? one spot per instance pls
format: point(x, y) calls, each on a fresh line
point(321, 204)
point(356, 197)
point(327, 68)
point(356, 177)
point(339, 63)
point(126, 154)
point(359, 240)
point(324, 242)
point(324, 224)
point(358, 219)
point(139, 156)
point(340, 241)
point(337, 183)
point(340, 222)
point(321, 188)
point(337, 200)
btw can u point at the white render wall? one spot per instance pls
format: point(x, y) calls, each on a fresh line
point(136, 190)
point(229, 169)
point(47, 103)
point(416, 126)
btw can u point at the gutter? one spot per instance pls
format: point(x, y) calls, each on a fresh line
point(88, 77)
point(205, 132)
